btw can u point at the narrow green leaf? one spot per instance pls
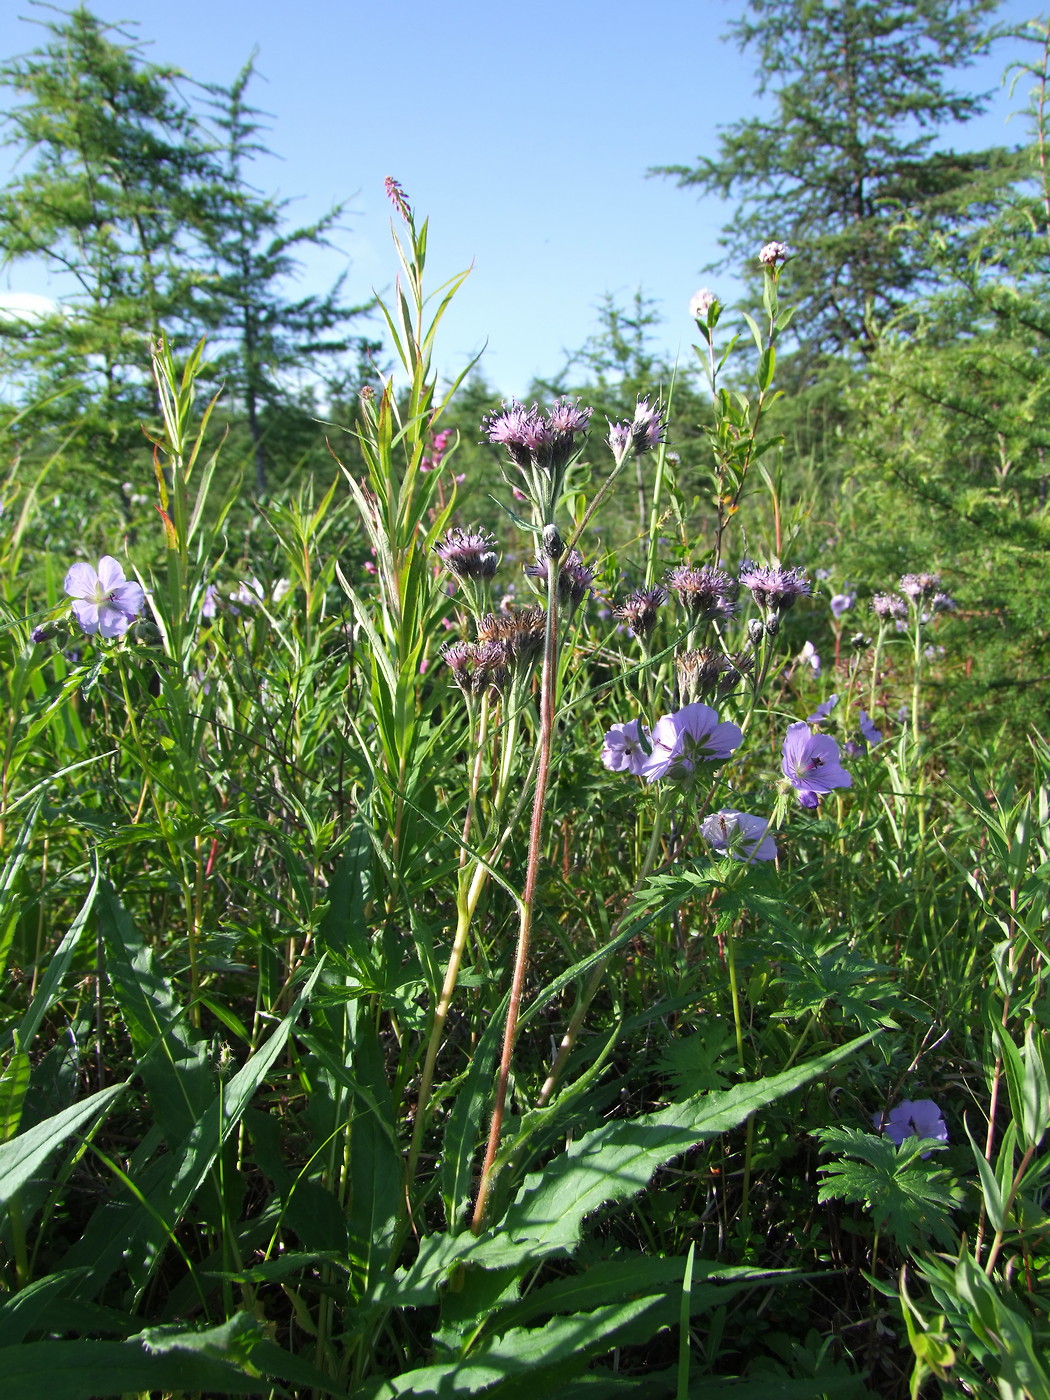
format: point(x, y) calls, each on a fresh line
point(22, 1158)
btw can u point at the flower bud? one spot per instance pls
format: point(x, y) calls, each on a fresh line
point(553, 544)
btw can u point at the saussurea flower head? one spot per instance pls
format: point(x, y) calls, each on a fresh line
point(693, 734)
point(889, 607)
point(642, 434)
point(919, 1118)
point(705, 593)
point(103, 600)
point(738, 834)
point(774, 589)
point(639, 611)
point(625, 747)
point(469, 554)
point(811, 764)
point(540, 445)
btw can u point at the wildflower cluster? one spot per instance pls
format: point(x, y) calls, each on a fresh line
point(541, 446)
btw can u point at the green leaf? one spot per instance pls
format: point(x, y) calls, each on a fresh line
point(89, 1370)
point(22, 1158)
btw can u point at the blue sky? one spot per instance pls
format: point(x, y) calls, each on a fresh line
point(524, 133)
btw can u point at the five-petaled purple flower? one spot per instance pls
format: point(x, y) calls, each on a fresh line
point(693, 734)
point(738, 834)
point(841, 603)
point(919, 1118)
point(623, 749)
point(811, 764)
point(823, 710)
point(104, 601)
point(868, 730)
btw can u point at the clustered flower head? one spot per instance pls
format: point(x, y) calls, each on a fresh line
point(889, 606)
point(773, 253)
point(705, 593)
point(103, 600)
point(507, 645)
point(699, 673)
point(701, 303)
point(532, 438)
point(641, 435)
point(693, 734)
point(739, 835)
point(919, 587)
point(811, 764)
point(469, 554)
point(774, 589)
point(639, 611)
point(574, 578)
point(626, 747)
point(919, 1118)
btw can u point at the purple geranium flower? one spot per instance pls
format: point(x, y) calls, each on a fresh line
point(842, 602)
point(624, 749)
point(739, 835)
point(811, 763)
point(872, 735)
point(919, 1118)
point(693, 734)
point(104, 601)
point(823, 710)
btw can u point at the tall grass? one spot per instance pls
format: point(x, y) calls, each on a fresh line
point(423, 981)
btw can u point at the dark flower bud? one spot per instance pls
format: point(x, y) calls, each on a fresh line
point(756, 630)
point(553, 544)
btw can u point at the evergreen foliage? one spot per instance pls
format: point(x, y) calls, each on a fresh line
point(845, 158)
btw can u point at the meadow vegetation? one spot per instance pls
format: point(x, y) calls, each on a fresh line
point(537, 898)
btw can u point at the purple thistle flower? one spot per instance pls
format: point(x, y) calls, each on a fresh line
point(639, 611)
point(774, 589)
point(574, 578)
point(693, 734)
point(625, 747)
point(919, 1118)
point(468, 553)
point(942, 602)
point(104, 601)
point(920, 586)
point(841, 603)
point(705, 593)
point(823, 710)
point(567, 417)
point(739, 835)
point(514, 428)
point(701, 673)
point(647, 427)
point(889, 605)
point(811, 764)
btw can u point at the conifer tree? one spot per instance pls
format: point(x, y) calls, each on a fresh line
point(110, 201)
point(845, 166)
